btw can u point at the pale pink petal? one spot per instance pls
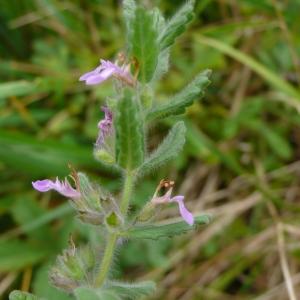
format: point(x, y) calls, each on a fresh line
point(87, 75)
point(95, 79)
point(186, 215)
point(162, 199)
point(105, 127)
point(61, 187)
point(42, 185)
point(105, 71)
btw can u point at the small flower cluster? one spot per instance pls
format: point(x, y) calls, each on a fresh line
point(104, 147)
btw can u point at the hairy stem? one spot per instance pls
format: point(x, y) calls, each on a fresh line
point(112, 239)
point(106, 260)
point(128, 185)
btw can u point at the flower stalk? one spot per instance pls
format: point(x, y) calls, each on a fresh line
point(107, 259)
point(121, 143)
point(112, 239)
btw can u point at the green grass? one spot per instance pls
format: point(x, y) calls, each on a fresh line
point(240, 161)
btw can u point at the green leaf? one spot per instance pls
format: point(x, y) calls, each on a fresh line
point(202, 143)
point(143, 43)
point(84, 293)
point(129, 7)
point(176, 25)
point(162, 65)
point(24, 210)
point(16, 88)
point(62, 211)
point(15, 255)
point(273, 138)
point(159, 19)
point(132, 290)
point(18, 295)
point(167, 150)
point(45, 157)
point(129, 133)
point(277, 142)
point(157, 231)
point(183, 99)
point(41, 285)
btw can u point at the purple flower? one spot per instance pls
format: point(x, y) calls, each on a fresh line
point(104, 71)
point(63, 187)
point(166, 198)
point(105, 127)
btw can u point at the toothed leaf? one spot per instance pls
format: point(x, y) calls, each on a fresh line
point(176, 25)
point(178, 104)
point(157, 231)
point(18, 295)
point(143, 43)
point(132, 290)
point(167, 150)
point(129, 7)
point(129, 133)
point(84, 293)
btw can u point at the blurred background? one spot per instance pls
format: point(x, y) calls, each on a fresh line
point(240, 162)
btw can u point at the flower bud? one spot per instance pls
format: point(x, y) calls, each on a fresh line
point(104, 156)
point(147, 212)
point(113, 221)
point(147, 97)
point(62, 281)
point(73, 268)
point(93, 203)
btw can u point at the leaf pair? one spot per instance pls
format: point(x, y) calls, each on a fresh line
point(130, 128)
point(114, 290)
point(149, 35)
point(130, 139)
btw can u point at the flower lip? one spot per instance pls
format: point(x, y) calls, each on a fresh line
point(42, 185)
point(105, 126)
point(166, 198)
point(104, 71)
point(62, 187)
point(186, 215)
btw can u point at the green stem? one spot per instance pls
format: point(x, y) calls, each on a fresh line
point(112, 239)
point(107, 258)
point(128, 185)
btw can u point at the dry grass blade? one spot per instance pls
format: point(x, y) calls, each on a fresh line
point(284, 263)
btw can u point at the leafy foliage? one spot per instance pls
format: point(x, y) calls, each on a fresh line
point(16, 88)
point(167, 150)
point(54, 156)
point(131, 290)
point(129, 132)
point(83, 293)
point(183, 99)
point(129, 7)
point(177, 25)
point(114, 290)
point(12, 259)
point(143, 41)
point(18, 295)
point(156, 231)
